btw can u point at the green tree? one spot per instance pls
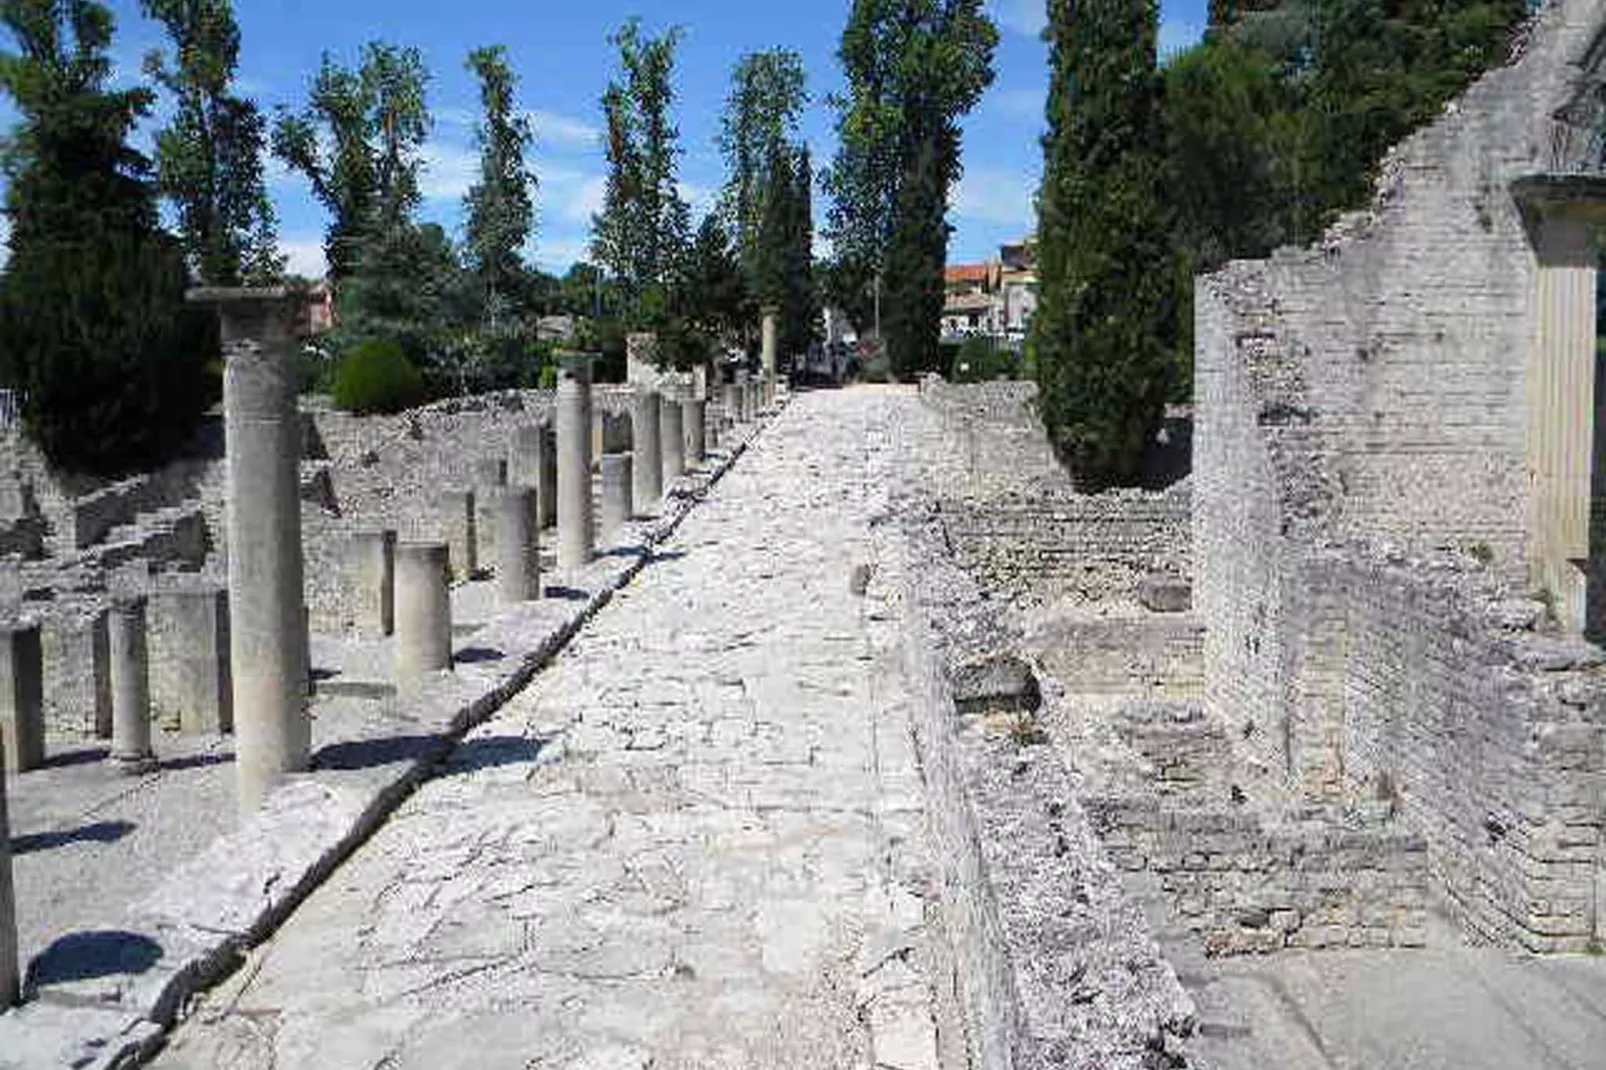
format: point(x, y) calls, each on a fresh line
point(93, 324)
point(209, 158)
point(641, 233)
point(913, 68)
point(1104, 332)
point(784, 261)
point(761, 119)
point(718, 302)
point(500, 210)
point(373, 121)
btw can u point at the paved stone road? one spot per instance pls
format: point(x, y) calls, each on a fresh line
point(693, 842)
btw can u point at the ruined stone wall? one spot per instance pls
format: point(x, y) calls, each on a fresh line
point(1015, 519)
point(1360, 493)
point(1085, 546)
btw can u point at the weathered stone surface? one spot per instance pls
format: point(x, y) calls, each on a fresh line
point(1165, 594)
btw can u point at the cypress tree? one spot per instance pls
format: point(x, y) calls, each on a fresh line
point(1104, 332)
point(93, 324)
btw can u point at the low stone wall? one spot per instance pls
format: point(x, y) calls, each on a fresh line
point(1245, 887)
point(1087, 547)
point(1158, 653)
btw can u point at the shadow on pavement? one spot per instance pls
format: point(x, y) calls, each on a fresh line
point(98, 832)
point(87, 955)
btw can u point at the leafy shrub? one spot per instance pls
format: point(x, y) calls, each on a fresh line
point(116, 370)
point(979, 360)
point(376, 376)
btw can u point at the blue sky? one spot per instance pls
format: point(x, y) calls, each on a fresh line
point(559, 49)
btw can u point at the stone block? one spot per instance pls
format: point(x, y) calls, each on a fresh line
point(370, 569)
point(1165, 594)
point(458, 528)
point(22, 714)
point(191, 683)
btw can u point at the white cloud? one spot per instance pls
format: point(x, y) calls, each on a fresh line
point(990, 195)
point(558, 252)
point(449, 171)
point(1023, 16)
point(576, 198)
point(304, 256)
point(1176, 36)
point(553, 128)
point(700, 198)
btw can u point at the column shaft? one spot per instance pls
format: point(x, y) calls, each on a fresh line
point(518, 568)
point(616, 493)
point(267, 634)
point(131, 694)
point(671, 442)
point(575, 511)
point(423, 611)
point(10, 976)
point(647, 475)
point(22, 699)
point(693, 416)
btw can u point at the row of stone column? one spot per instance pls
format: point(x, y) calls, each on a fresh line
point(196, 682)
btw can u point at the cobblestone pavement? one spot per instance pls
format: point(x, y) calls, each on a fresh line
point(693, 842)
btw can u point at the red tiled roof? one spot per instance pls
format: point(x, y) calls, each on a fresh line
point(968, 272)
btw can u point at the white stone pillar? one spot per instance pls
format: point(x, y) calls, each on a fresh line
point(22, 698)
point(490, 479)
point(459, 526)
point(647, 474)
point(535, 465)
point(1564, 215)
point(423, 611)
point(575, 512)
point(195, 621)
point(372, 565)
point(268, 624)
point(671, 442)
point(518, 567)
point(10, 975)
point(693, 418)
point(616, 493)
point(131, 689)
point(771, 344)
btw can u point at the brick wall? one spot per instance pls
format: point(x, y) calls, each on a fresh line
point(1359, 450)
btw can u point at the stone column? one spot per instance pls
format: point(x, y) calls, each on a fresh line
point(490, 479)
point(534, 465)
point(372, 566)
point(733, 404)
point(22, 697)
point(647, 475)
point(518, 567)
point(10, 977)
point(771, 343)
point(616, 493)
point(131, 687)
point(196, 623)
point(1564, 215)
point(459, 525)
point(423, 610)
point(671, 442)
point(267, 634)
point(575, 516)
point(693, 418)
point(100, 671)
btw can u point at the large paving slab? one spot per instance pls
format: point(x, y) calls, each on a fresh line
point(692, 842)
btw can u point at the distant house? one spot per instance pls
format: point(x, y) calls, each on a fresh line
point(994, 299)
point(320, 307)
